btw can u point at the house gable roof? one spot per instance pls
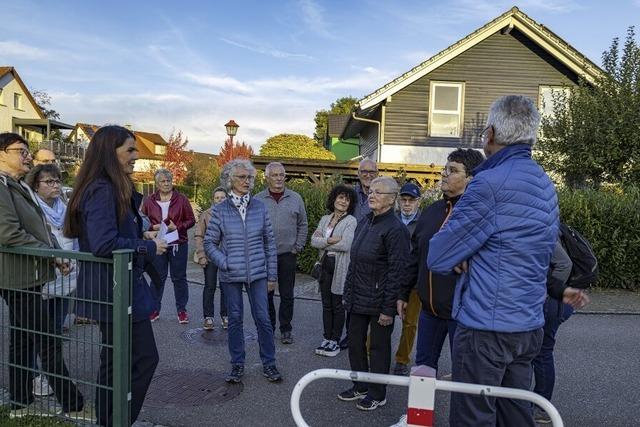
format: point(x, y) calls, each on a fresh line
point(88, 129)
point(6, 70)
point(513, 18)
point(336, 124)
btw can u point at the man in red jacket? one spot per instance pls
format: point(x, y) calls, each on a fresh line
point(171, 215)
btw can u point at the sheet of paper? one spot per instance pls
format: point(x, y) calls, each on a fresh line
point(167, 236)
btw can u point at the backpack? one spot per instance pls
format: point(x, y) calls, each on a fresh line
point(584, 272)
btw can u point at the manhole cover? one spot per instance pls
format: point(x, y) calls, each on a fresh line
point(214, 337)
point(183, 388)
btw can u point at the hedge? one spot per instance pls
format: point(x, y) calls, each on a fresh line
point(610, 220)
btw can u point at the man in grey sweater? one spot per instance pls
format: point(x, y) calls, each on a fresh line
point(289, 221)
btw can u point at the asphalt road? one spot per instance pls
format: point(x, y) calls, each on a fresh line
point(597, 356)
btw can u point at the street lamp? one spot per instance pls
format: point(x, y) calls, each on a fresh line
point(232, 129)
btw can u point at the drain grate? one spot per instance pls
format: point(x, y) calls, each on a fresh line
point(183, 388)
point(216, 337)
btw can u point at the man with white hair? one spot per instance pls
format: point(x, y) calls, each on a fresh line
point(289, 220)
point(499, 238)
point(367, 172)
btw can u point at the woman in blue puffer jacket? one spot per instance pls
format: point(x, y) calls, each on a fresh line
point(240, 242)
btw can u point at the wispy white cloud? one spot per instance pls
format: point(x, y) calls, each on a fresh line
point(16, 49)
point(314, 19)
point(266, 50)
point(221, 83)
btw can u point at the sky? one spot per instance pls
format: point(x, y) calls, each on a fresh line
point(162, 66)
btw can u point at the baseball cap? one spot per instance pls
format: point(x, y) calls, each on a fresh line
point(410, 189)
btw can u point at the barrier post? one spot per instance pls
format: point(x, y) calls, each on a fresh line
point(422, 396)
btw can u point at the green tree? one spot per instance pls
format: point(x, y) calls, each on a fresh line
point(296, 146)
point(43, 100)
point(340, 106)
point(593, 135)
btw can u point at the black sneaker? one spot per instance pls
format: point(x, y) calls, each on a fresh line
point(541, 417)
point(401, 369)
point(332, 349)
point(369, 404)
point(351, 394)
point(320, 349)
point(272, 374)
point(235, 376)
point(286, 338)
point(344, 343)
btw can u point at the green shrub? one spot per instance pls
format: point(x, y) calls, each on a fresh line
point(610, 221)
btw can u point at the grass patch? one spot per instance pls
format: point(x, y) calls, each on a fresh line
point(30, 421)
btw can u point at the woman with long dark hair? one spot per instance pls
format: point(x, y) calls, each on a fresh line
point(103, 215)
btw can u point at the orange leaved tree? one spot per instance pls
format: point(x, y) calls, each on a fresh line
point(231, 150)
point(177, 157)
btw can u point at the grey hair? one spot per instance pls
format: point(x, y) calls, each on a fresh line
point(515, 120)
point(389, 182)
point(272, 165)
point(229, 168)
point(162, 172)
point(367, 160)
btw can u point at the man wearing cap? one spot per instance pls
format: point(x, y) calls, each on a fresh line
point(408, 213)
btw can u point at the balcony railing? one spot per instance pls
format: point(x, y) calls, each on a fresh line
point(65, 150)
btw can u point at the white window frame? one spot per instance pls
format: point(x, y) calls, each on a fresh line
point(459, 112)
point(551, 88)
point(17, 97)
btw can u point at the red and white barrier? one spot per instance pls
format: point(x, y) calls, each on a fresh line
point(422, 396)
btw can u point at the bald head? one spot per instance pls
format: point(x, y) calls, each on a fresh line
point(44, 157)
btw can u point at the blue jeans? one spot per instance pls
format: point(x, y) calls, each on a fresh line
point(544, 371)
point(257, 293)
point(432, 331)
point(174, 260)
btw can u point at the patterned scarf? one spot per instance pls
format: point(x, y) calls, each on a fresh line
point(241, 203)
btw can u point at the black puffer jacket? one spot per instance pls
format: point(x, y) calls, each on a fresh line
point(435, 291)
point(379, 256)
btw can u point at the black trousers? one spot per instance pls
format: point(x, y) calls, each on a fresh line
point(144, 359)
point(209, 292)
point(29, 321)
point(332, 309)
point(379, 358)
point(286, 282)
point(495, 359)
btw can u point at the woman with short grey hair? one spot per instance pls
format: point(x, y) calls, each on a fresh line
point(379, 259)
point(240, 241)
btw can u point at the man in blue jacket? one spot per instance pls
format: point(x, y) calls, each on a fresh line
point(499, 238)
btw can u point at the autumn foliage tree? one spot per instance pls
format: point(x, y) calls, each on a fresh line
point(177, 157)
point(231, 150)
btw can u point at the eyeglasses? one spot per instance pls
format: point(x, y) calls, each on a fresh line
point(245, 178)
point(277, 175)
point(51, 182)
point(449, 171)
point(368, 172)
point(24, 153)
point(378, 193)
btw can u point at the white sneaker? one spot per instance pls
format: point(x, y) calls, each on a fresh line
point(41, 386)
point(402, 422)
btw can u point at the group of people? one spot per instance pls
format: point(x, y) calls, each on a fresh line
point(483, 266)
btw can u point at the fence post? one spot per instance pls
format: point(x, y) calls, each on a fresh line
point(122, 278)
point(422, 396)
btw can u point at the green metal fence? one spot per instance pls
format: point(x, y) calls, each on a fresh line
point(42, 338)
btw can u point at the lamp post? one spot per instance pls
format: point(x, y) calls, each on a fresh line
point(232, 129)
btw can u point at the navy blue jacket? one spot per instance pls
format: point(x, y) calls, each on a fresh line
point(101, 235)
point(244, 251)
point(506, 226)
